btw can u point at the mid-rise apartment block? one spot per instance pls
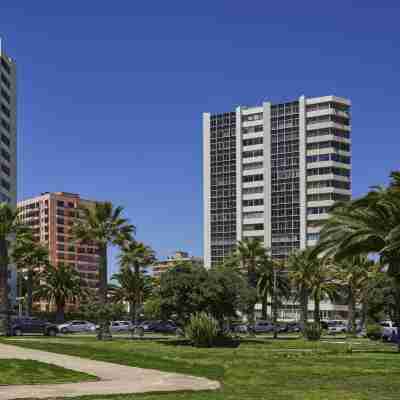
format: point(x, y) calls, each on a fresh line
point(179, 256)
point(272, 172)
point(51, 217)
point(8, 142)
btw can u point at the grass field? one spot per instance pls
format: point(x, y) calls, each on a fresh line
point(264, 369)
point(20, 372)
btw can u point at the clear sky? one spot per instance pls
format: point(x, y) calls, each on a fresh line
point(111, 94)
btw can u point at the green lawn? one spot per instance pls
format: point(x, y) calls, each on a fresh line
point(20, 372)
point(264, 369)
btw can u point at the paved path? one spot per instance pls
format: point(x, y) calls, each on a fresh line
point(114, 378)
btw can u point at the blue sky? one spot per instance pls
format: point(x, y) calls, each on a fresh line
point(111, 93)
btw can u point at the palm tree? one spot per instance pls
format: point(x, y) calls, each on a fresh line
point(354, 276)
point(133, 288)
point(29, 256)
point(134, 257)
point(104, 225)
point(249, 254)
point(367, 225)
point(300, 266)
point(60, 285)
point(10, 225)
point(323, 284)
point(272, 284)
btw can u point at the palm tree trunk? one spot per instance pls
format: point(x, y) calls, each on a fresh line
point(275, 313)
point(252, 282)
point(60, 313)
point(264, 307)
point(104, 329)
point(30, 292)
point(317, 316)
point(352, 313)
point(4, 288)
point(397, 312)
point(303, 309)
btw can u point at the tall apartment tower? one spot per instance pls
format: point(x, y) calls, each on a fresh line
point(8, 143)
point(272, 172)
point(51, 216)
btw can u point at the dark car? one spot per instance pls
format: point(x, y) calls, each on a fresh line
point(159, 326)
point(19, 326)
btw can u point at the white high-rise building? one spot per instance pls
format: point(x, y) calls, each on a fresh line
point(8, 140)
point(272, 172)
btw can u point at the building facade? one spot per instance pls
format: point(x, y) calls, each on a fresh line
point(51, 216)
point(272, 172)
point(8, 143)
point(179, 256)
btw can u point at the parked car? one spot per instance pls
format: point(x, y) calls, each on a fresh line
point(333, 329)
point(77, 327)
point(121, 326)
point(21, 325)
point(159, 326)
point(293, 327)
point(389, 331)
point(263, 327)
point(240, 328)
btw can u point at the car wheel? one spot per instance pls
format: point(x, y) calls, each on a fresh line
point(17, 332)
point(51, 332)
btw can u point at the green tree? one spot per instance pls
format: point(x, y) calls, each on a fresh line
point(134, 257)
point(186, 289)
point(28, 256)
point(370, 224)
point(132, 288)
point(354, 275)
point(104, 225)
point(10, 224)
point(300, 266)
point(60, 285)
point(249, 254)
point(323, 284)
point(272, 284)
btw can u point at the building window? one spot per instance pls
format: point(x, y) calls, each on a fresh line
point(5, 80)
point(253, 178)
point(6, 185)
point(5, 110)
point(6, 155)
point(5, 125)
point(5, 65)
point(5, 140)
point(253, 202)
point(253, 153)
point(253, 141)
point(253, 227)
point(5, 169)
point(5, 96)
point(252, 117)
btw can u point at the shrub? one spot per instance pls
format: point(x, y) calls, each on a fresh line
point(202, 330)
point(312, 331)
point(374, 332)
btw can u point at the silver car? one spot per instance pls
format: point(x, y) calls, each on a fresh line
point(121, 326)
point(77, 327)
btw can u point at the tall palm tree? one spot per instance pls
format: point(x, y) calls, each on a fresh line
point(134, 257)
point(104, 225)
point(133, 288)
point(354, 275)
point(10, 224)
point(249, 254)
point(59, 285)
point(272, 284)
point(370, 224)
point(300, 265)
point(323, 284)
point(29, 256)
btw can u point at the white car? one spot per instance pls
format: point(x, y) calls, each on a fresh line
point(337, 328)
point(121, 326)
point(77, 327)
point(389, 331)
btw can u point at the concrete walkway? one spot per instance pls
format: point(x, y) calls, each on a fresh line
point(114, 378)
